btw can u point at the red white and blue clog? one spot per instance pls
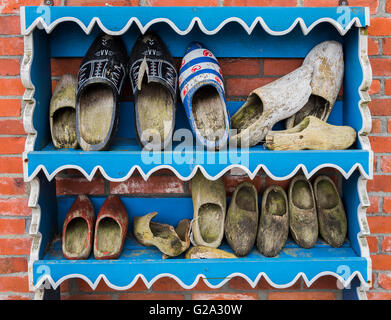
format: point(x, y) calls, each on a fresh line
point(202, 93)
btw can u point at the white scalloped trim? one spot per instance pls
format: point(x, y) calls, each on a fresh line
point(40, 23)
point(149, 284)
point(145, 176)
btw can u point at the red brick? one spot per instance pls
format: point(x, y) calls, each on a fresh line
point(12, 226)
point(9, 67)
point(151, 296)
point(13, 265)
point(69, 186)
point(14, 207)
point(15, 246)
point(10, 25)
point(375, 87)
point(379, 295)
point(380, 144)
point(326, 282)
point(167, 3)
point(169, 284)
point(12, 46)
point(381, 262)
point(303, 295)
point(11, 165)
point(8, 126)
point(387, 87)
point(13, 297)
point(374, 207)
point(387, 204)
point(97, 3)
point(373, 244)
point(379, 27)
point(376, 126)
point(154, 184)
point(231, 182)
point(381, 66)
point(283, 183)
point(103, 287)
point(62, 66)
point(386, 46)
point(14, 284)
point(10, 107)
point(384, 280)
point(11, 87)
point(87, 297)
point(238, 67)
point(389, 125)
point(386, 163)
point(261, 3)
point(388, 6)
point(243, 86)
point(225, 296)
point(12, 145)
point(279, 67)
point(373, 47)
point(386, 244)
point(12, 6)
point(379, 224)
point(12, 186)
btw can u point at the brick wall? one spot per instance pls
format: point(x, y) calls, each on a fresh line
point(241, 76)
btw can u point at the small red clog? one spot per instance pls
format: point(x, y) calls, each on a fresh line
point(78, 229)
point(110, 229)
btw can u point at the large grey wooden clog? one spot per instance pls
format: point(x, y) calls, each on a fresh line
point(303, 220)
point(327, 62)
point(63, 113)
point(274, 221)
point(241, 222)
point(209, 204)
point(331, 212)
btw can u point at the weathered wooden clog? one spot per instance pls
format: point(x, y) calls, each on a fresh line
point(110, 229)
point(209, 203)
point(100, 81)
point(326, 59)
point(172, 242)
point(331, 213)
point(312, 133)
point(274, 221)
point(269, 104)
point(202, 252)
point(202, 92)
point(303, 220)
point(153, 77)
point(78, 229)
point(63, 113)
point(241, 222)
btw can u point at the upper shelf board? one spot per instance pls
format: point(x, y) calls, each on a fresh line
point(117, 20)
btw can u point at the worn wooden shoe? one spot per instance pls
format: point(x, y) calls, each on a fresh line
point(303, 220)
point(312, 133)
point(201, 252)
point(209, 203)
point(202, 92)
point(110, 229)
point(172, 242)
point(331, 212)
point(241, 222)
point(100, 81)
point(269, 104)
point(63, 113)
point(328, 68)
point(78, 229)
point(153, 77)
point(274, 221)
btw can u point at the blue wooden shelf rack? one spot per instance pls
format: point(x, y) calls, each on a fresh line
point(51, 32)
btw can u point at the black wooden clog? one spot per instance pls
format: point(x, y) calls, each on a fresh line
point(154, 83)
point(100, 81)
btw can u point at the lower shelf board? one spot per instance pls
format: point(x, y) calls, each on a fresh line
point(137, 261)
